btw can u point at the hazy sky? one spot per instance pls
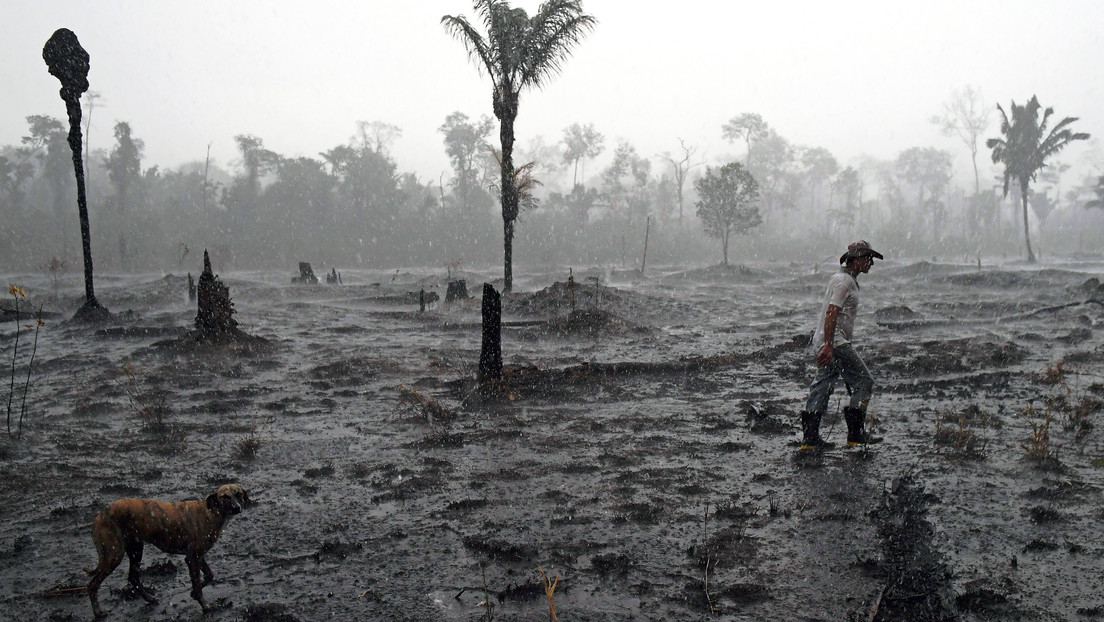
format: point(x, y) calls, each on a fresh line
point(854, 77)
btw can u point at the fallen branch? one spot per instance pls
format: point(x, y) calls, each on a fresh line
point(67, 590)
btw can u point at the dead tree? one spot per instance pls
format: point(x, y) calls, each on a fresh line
point(68, 62)
point(490, 355)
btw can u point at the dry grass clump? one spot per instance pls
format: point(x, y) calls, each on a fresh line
point(955, 435)
point(1054, 374)
point(1079, 416)
point(1038, 447)
point(152, 411)
point(412, 401)
point(247, 446)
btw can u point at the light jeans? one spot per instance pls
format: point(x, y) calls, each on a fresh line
point(845, 362)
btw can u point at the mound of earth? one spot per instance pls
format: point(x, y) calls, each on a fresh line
point(724, 273)
point(1010, 279)
point(895, 312)
point(590, 322)
point(561, 299)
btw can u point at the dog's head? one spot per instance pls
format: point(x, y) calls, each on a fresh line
point(228, 500)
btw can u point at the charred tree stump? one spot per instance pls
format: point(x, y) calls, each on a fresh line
point(306, 274)
point(421, 301)
point(191, 288)
point(490, 355)
point(215, 319)
point(68, 62)
point(457, 290)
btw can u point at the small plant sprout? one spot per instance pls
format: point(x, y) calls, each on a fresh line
point(30, 366)
point(549, 590)
point(17, 293)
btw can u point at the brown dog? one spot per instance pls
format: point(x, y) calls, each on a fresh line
point(188, 528)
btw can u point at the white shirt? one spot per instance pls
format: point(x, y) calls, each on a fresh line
point(843, 291)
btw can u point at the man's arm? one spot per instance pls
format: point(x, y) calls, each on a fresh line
point(825, 355)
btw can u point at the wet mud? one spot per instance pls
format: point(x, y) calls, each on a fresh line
point(645, 452)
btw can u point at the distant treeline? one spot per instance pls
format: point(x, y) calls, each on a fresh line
point(352, 206)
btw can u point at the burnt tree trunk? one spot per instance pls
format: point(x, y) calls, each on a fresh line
point(68, 62)
point(215, 318)
point(490, 355)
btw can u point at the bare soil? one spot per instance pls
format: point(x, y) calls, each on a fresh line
point(645, 451)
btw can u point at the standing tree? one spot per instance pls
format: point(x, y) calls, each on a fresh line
point(930, 169)
point(90, 97)
point(964, 116)
point(749, 127)
point(518, 52)
point(728, 202)
point(681, 168)
point(819, 165)
point(1025, 147)
point(1098, 190)
point(581, 141)
point(68, 62)
point(124, 169)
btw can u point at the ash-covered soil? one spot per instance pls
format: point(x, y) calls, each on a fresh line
point(645, 455)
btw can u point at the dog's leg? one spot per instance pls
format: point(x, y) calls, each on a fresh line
point(208, 576)
point(134, 548)
point(194, 563)
point(109, 545)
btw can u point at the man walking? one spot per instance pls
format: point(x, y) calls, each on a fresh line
point(835, 354)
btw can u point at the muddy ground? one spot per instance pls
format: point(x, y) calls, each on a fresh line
point(646, 454)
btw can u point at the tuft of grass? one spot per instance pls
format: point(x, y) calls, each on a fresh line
point(1038, 447)
point(1079, 417)
point(424, 406)
point(955, 436)
point(1054, 374)
point(248, 445)
point(152, 411)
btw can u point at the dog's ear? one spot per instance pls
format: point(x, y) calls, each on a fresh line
point(212, 502)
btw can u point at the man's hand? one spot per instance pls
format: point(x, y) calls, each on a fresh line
point(825, 355)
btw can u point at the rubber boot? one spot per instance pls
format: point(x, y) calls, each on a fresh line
point(855, 418)
point(810, 431)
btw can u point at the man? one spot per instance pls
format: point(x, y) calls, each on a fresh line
point(835, 354)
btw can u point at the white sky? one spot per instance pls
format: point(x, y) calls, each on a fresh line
point(854, 77)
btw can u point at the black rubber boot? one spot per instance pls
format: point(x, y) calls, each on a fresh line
point(810, 431)
point(855, 418)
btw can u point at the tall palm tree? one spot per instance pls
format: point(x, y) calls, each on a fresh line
point(517, 52)
point(1025, 147)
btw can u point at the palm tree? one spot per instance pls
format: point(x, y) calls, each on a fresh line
point(517, 52)
point(1025, 147)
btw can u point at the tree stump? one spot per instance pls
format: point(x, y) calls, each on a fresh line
point(490, 355)
point(457, 290)
point(306, 274)
point(215, 319)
